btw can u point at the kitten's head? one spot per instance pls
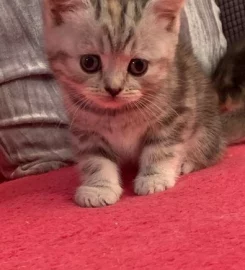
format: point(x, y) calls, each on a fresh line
point(111, 52)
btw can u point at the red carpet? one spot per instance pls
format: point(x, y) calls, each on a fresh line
point(199, 224)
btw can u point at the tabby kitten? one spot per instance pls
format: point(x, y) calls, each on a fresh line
point(229, 78)
point(133, 94)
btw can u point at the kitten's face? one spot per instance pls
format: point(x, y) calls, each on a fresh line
point(112, 52)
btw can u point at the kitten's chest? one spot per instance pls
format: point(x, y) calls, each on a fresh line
point(126, 143)
point(124, 134)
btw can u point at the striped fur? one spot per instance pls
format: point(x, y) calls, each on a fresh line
point(166, 121)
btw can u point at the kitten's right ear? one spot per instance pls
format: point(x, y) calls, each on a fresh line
point(54, 10)
point(166, 12)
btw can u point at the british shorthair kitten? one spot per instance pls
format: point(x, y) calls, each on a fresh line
point(133, 94)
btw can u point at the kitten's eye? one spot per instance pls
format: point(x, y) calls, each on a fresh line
point(90, 63)
point(138, 67)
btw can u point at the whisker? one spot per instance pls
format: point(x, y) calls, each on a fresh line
point(160, 108)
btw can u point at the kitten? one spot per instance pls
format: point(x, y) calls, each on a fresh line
point(229, 78)
point(133, 94)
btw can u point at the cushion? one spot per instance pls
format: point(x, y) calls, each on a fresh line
point(33, 126)
point(202, 28)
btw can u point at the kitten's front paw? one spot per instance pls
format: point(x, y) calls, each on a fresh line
point(145, 185)
point(97, 196)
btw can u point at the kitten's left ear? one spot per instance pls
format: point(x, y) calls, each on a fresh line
point(54, 10)
point(167, 11)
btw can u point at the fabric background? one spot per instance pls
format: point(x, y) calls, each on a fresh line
point(33, 126)
point(202, 28)
point(233, 19)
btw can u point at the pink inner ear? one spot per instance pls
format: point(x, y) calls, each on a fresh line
point(169, 11)
point(59, 7)
point(168, 8)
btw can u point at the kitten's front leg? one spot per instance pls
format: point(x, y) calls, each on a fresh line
point(159, 168)
point(100, 175)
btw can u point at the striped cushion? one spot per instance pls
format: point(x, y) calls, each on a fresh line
point(201, 26)
point(33, 130)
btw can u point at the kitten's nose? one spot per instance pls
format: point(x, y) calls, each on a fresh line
point(113, 91)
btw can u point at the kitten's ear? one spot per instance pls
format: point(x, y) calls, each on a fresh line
point(54, 10)
point(166, 11)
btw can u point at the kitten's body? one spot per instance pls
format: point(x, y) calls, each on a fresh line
point(127, 130)
point(166, 119)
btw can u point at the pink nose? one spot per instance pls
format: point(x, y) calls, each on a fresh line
point(113, 91)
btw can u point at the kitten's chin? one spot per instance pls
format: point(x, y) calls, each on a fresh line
point(108, 102)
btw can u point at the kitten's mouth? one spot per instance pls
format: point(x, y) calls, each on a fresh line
point(114, 102)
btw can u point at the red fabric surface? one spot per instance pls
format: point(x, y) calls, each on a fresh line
point(199, 224)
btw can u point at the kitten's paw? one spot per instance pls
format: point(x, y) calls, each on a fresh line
point(145, 185)
point(97, 196)
point(187, 167)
